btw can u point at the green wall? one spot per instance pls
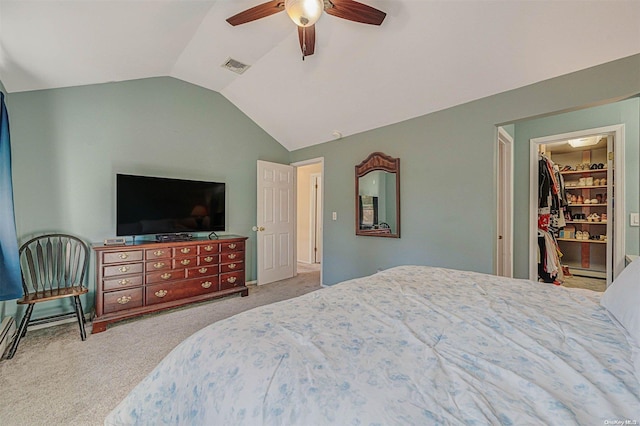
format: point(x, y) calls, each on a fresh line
point(624, 112)
point(69, 143)
point(448, 176)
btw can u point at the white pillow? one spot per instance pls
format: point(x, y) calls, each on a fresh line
point(622, 299)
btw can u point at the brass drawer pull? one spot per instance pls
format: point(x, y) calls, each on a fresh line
point(123, 268)
point(208, 248)
point(158, 252)
point(206, 284)
point(124, 300)
point(232, 266)
point(185, 261)
point(123, 255)
point(203, 270)
point(232, 280)
point(165, 276)
point(185, 250)
point(158, 265)
point(124, 282)
point(232, 246)
point(208, 259)
point(231, 256)
point(161, 293)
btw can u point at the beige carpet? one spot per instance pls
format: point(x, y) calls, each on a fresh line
point(56, 379)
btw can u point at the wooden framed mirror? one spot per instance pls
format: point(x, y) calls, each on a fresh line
point(378, 196)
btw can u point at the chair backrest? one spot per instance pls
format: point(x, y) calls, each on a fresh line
point(53, 261)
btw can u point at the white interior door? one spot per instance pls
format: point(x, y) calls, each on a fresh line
point(276, 225)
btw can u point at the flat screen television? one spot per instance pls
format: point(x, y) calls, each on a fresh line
point(155, 205)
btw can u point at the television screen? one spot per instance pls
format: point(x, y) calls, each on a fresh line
point(154, 205)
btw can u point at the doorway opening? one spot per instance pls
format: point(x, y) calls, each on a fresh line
point(581, 226)
point(309, 202)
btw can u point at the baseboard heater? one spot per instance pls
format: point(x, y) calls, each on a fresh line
point(7, 330)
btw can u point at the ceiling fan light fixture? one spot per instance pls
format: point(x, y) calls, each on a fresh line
point(304, 13)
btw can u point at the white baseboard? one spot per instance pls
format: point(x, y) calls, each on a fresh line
point(7, 330)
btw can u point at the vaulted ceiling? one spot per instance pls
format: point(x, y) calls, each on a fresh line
point(426, 56)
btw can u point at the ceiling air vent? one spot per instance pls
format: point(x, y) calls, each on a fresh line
point(235, 66)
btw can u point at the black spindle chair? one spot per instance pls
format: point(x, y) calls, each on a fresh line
point(53, 267)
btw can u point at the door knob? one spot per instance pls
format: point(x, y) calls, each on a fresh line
point(258, 228)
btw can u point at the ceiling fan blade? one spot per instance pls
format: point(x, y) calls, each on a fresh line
point(260, 11)
point(307, 37)
point(354, 11)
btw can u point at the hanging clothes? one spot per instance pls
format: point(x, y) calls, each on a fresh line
point(552, 203)
point(10, 279)
point(549, 265)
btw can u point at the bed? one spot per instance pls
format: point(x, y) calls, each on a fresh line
point(409, 345)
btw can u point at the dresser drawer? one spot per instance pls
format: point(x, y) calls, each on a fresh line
point(202, 271)
point(126, 269)
point(235, 246)
point(231, 279)
point(233, 256)
point(159, 265)
point(121, 256)
point(210, 248)
point(122, 282)
point(159, 293)
point(164, 276)
point(185, 251)
point(157, 253)
point(122, 300)
point(185, 262)
point(230, 267)
point(208, 259)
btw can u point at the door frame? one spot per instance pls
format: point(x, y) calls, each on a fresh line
point(320, 217)
point(315, 213)
point(504, 200)
point(618, 177)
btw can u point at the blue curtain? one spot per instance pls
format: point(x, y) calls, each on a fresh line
point(10, 280)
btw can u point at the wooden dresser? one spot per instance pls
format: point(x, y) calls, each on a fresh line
point(137, 279)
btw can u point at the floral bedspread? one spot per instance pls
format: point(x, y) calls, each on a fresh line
point(409, 345)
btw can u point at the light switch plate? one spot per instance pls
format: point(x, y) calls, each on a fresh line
point(334, 215)
point(634, 219)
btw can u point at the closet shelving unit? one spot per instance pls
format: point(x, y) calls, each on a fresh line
point(587, 257)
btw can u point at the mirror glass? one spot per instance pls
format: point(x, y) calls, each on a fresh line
point(377, 199)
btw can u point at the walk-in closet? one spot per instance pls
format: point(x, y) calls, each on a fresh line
point(576, 211)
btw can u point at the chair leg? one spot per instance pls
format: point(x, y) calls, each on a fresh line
point(84, 321)
point(78, 308)
point(21, 331)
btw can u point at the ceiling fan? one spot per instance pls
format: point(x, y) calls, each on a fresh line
point(305, 14)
